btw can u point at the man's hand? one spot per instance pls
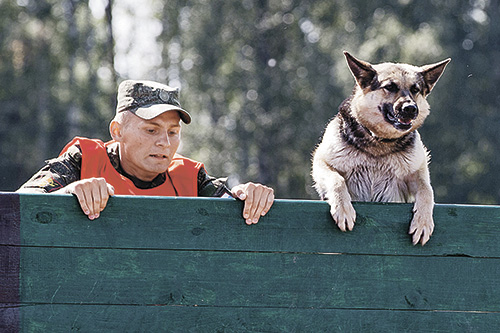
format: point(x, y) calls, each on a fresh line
point(258, 200)
point(92, 194)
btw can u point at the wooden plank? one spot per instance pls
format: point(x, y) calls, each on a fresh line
point(191, 263)
point(10, 254)
point(293, 226)
point(106, 318)
point(254, 279)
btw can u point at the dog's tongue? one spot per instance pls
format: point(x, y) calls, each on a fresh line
point(405, 121)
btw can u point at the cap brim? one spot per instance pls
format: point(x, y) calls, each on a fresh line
point(149, 112)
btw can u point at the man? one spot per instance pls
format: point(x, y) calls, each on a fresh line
point(141, 159)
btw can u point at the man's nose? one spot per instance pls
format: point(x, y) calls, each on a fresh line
point(163, 139)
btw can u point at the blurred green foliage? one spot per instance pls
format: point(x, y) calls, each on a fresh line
point(261, 79)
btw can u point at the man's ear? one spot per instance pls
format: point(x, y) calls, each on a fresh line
point(115, 130)
point(432, 73)
point(362, 71)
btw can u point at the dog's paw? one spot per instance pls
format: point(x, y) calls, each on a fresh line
point(343, 214)
point(421, 227)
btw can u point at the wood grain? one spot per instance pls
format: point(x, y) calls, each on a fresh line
point(191, 264)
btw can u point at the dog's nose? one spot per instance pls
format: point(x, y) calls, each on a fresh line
point(409, 110)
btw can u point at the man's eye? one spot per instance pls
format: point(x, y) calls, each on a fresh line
point(151, 130)
point(392, 88)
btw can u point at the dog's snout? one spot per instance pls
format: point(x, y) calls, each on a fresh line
point(409, 110)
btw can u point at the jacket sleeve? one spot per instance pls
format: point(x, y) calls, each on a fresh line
point(56, 174)
point(211, 187)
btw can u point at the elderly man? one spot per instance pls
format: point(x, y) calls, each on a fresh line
point(141, 159)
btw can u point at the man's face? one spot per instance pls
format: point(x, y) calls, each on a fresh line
point(148, 146)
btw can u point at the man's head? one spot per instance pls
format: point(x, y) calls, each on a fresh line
point(146, 127)
point(148, 99)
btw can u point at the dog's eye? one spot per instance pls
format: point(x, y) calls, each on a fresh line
point(414, 89)
point(391, 87)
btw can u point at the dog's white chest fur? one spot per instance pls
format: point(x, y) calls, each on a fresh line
point(382, 178)
point(375, 184)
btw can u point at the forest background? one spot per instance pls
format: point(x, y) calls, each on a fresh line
point(260, 78)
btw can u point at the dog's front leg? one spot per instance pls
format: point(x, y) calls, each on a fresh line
point(332, 187)
point(422, 224)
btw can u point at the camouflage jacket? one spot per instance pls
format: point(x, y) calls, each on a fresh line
point(65, 169)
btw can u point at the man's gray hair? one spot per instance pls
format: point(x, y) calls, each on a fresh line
point(123, 118)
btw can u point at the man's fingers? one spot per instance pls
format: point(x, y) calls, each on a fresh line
point(263, 205)
point(238, 192)
point(257, 205)
point(268, 202)
point(107, 191)
point(80, 195)
point(111, 189)
point(259, 199)
point(98, 189)
point(103, 196)
point(92, 194)
point(247, 209)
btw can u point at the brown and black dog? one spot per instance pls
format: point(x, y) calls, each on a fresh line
point(371, 150)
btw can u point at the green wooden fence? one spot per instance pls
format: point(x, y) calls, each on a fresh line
point(153, 264)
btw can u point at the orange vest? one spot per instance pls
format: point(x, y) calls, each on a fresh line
point(95, 163)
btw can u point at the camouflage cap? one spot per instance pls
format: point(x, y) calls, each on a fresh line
point(148, 99)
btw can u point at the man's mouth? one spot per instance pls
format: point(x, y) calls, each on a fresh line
point(400, 121)
point(158, 156)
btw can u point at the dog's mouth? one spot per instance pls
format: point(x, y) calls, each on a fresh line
point(402, 120)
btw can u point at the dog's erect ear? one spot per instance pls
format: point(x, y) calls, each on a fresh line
point(362, 71)
point(432, 73)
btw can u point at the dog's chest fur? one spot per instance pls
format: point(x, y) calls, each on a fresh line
point(373, 169)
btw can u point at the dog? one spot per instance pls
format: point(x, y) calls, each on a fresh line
point(371, 150)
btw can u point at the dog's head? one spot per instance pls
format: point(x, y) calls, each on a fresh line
point(390, 99)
